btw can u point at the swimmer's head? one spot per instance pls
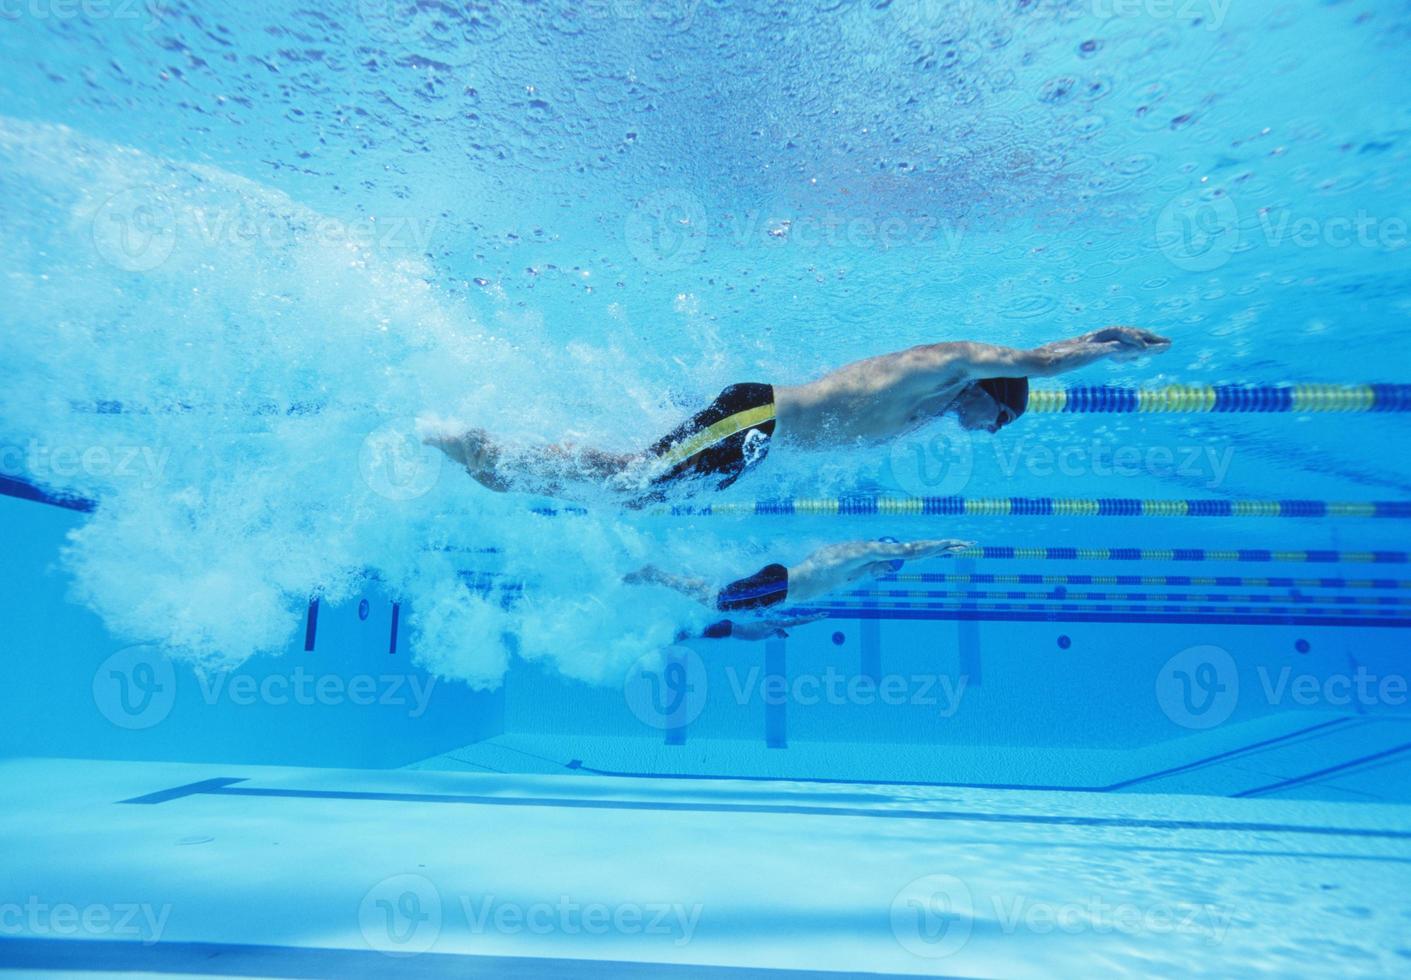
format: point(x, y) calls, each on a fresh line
point(990, 404)
point(895, 564)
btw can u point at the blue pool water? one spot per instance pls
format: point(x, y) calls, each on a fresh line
point(250, 253)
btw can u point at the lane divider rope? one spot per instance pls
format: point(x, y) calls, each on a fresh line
point(874, 506)
point(1187, 399)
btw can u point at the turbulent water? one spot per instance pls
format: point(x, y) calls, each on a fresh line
point(244, 253)
point(245, 461)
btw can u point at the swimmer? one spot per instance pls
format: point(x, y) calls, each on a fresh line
point(827, 570)
point(871, 401)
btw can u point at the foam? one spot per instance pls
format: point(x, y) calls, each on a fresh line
point(273, 377)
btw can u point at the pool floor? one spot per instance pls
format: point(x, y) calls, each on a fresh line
point(261, 871)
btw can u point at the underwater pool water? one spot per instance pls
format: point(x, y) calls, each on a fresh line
point(250, 255)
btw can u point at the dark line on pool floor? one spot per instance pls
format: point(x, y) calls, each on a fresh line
point(1320, 774)
point(1037, 787)
point(228, 787)
point(240, 959)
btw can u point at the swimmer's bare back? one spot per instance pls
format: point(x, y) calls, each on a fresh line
point(872, 400)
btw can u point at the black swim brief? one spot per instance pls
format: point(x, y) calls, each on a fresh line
point(725, 439)
point(767, 587)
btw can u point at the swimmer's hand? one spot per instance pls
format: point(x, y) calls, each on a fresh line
point(1129, 343)
point(940, 548)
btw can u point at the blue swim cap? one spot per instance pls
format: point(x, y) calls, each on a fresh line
point(896, 563)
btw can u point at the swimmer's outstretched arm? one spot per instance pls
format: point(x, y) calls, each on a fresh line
point(768, 629)
point(837, 566)
point(976, 360)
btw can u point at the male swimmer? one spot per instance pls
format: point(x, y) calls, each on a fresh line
point(985, 387)
point(825, 571)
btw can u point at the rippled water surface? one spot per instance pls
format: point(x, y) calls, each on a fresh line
point(267, 237)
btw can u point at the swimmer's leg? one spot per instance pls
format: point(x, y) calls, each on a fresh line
point(540, 470)
point(697, 588)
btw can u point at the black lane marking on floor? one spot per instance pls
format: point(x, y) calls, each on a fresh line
point(1231, 753)
point(24, 490)
point(229, 787)
point(1322, 773)
point(311, 628)
point(238, 959)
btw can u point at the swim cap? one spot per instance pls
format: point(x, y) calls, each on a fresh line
point(1012, 393)
point(896, 563)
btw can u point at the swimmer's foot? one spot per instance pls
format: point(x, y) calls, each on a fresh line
point(473, 449)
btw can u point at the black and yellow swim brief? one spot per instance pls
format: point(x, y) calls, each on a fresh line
point(725, 439)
